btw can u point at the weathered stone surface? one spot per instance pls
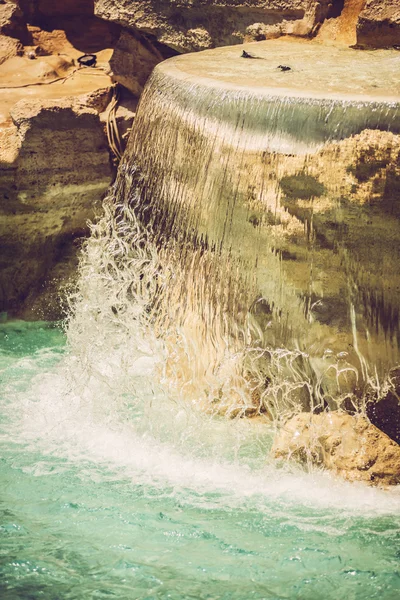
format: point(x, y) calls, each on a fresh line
point(10, 18)
point(350, 447)
point(56, 25)
point(340, 23)
point(132, 61)
point(307, 26)
point(379, 24)
point(191, 25)
point(55, 161)
point(385, 413)
point(52, 8)
point(47, 196)
point(9, 47)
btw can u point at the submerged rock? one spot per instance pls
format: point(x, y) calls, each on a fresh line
point(349, 446)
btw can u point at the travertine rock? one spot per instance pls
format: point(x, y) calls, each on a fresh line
point(340, 23)
point(307, 26)
point(55, 162)
point(350, 447)
point(10, 18)
point(190, 25)
point(379, 24)
point(132, 61)
point(259, 31)
point(56, 8)
point(54, 169)
point(59, 26)
point(9, 47)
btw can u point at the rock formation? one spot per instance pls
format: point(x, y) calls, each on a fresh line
point(12, 22)
point(196, 25)
point(133, 60)
point(188, 26)
point(48, 196)
point(55, 159)
point(132, 36)
point(12, 28)
point(350, 447)
point(379, 24)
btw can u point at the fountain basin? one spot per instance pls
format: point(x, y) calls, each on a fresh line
point(301, 94)
point(289, 182)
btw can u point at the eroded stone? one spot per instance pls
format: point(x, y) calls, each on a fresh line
point(132, 61)
point(198, 25)
point(349, 446)
point(9, 47)
point(47, 197)
point(379, 24)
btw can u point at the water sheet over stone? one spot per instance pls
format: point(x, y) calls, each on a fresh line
point(260, 195)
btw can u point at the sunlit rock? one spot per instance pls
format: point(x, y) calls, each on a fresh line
point(54, 153)
point(132, 61)
point(197, 25)
point(54, 168)
point(11, 19)
point(9, 47)
point(379, 24)
point(349, 446)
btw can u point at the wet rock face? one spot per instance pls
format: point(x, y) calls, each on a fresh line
point(385, 413)
point(379, 24)
point(46, 198)
point(190, 25)
point(350, 447)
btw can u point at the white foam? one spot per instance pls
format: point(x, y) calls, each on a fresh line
point(91, 424)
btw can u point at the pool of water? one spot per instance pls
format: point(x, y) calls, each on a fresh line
point(111, 489)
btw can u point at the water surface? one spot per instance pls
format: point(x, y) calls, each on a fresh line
point(109, 493)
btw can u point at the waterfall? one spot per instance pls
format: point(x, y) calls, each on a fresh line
point(251, 234)
point(245, 264)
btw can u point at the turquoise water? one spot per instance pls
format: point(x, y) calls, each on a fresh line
point(118, 491)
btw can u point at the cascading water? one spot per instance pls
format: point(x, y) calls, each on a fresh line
point(240, 220)
point(231, 274)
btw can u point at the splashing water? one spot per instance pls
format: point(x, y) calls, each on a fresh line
point(121, 475)
point(236, 238)
point(107, 491)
